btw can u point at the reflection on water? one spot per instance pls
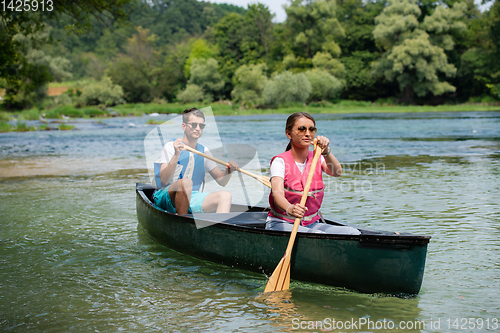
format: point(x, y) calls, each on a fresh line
point(282, 308)
point(72, 256)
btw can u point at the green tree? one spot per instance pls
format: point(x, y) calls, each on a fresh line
point(200, 49)
point(324, 86)
point(312, 26)
point(325, 61)
point(76, 16)
point(192, 93)
point(360, 84)
point(359, 50)
point(495, 49)
point(228, 33)
point(480, 63)
point(357, 17)
point(112, 41)
point(249, 83)
point(287, 87)
point(95, 66)
point(103, 92)
point(225, 8)
point(495, 90)
point(242, 40)
point(257, 34)
point(172, 20)
point(139, 70)
point(172, 78)
point(205, 74)
point(415, 51)
point(34, 70)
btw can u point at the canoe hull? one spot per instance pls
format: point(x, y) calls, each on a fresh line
point(362, 263)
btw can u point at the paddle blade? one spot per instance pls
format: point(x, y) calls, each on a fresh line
point(280, 279)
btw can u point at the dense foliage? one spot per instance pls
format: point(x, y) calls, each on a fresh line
point(415, 47)
point(411, 51)
point(24, 68)
point(103, 92)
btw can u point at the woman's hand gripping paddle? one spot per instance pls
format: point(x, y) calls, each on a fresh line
point(280, 279)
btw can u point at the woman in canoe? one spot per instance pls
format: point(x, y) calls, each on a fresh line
point(289, 172)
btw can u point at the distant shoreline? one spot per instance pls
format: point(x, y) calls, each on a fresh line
point(219, 108)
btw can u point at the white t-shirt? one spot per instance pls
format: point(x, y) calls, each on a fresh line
point(278, 167)
point(168, 151)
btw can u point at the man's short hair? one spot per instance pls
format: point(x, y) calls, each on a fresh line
point(193, 111)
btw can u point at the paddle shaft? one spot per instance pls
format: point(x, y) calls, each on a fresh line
point(280, 279)
point(303, 200)
point(262, 179)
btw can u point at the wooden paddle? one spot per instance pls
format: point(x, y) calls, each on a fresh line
point(280, 279)
point(263, 179)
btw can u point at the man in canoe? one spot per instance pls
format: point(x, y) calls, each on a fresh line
point(289, 171)
point(182, 173)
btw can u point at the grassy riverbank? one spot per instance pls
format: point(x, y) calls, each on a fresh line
point(222, 108)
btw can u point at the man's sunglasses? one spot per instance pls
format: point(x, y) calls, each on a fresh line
point(194, 125)
point(303, 129)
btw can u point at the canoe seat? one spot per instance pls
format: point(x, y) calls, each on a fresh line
point(252, 224)
point(246, 219)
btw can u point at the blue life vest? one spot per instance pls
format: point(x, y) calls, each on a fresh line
point(190, 166)
point(194, 170)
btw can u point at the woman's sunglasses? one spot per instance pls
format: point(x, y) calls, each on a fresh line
point(303, 129)
point(194, 125)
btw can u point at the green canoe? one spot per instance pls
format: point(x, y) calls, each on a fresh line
point(373, 262)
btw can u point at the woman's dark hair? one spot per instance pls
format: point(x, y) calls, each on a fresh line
point(290, 122)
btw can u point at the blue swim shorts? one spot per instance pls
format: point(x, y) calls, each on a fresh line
point(162, 199)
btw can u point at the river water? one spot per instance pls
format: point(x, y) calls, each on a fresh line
point(73, 258)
